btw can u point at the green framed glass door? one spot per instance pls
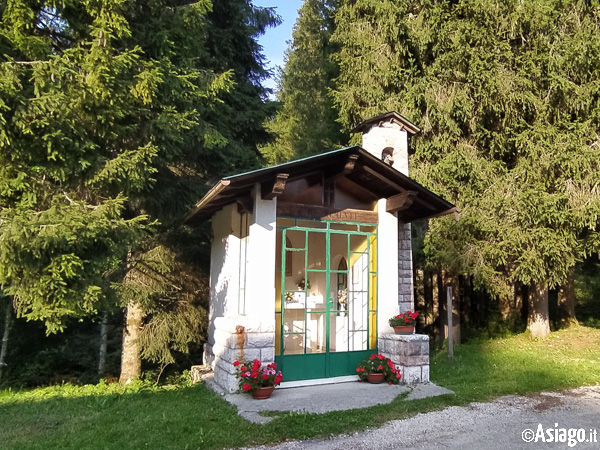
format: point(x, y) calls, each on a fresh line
point(326, 311)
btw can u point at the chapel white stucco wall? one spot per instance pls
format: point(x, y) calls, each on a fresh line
point(242, 293)
point(387, 268)
point(224, 269)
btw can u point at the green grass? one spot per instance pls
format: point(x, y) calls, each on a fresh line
point(143, 416)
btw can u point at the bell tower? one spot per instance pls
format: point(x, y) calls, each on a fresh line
point(386, 138)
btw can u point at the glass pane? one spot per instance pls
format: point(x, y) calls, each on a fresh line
point(358, 243)
point(343, 226)
point(277, 334)
point(358, 340)
point(284, 222)
point(317, 291)
point(338, 332)
point(294, 302)
point(368, 228)
point(317, 250)
point(293, 344)
point(372, 330)
point(338, 245)
point(359, 272)
point(294, 264)
point(295, 239)
point(311, 224)
point(357, 310)
point(315, 333)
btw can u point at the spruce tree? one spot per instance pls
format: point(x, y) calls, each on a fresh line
point(306, 123)
point(110, 118)
point(506, 95)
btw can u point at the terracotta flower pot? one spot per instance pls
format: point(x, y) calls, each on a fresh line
point(376, 378)
point(263, 393)
point(404, 329)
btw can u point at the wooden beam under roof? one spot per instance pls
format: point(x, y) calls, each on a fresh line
point(325, 213)
point(274, 188)
point(383, 178)
point(346, 170)
point(400, 202)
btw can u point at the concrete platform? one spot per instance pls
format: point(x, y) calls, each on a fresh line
point(325, 398)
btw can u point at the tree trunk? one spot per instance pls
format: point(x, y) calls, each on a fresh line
point(5, 337)
point(428, 298)
point(538, 322)
point(131, 362)
point(523, 297)
point(504, 306)
point(566, 299)
point(103, 345)
point(441, 295)
point(465, 306)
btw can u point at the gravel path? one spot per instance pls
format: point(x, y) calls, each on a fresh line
point(501, 424)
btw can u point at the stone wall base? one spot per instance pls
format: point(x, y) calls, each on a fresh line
point(238, 339)
point(410, 354)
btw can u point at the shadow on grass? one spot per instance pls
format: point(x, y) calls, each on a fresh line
point(520, 365)
point(195, 417)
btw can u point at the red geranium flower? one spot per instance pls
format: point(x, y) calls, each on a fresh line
point(243, 369)
point(255, 364)
point(246, 387)
point(236, 363)
point(380, 368)
point(254, 374)
point(381, 356)
point(265, 377)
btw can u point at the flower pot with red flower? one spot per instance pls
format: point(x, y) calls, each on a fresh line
point(404, 323)
point(377, 369)
point(256, 379)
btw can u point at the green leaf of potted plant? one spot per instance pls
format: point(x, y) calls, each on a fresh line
point(258, 380)
point(404, 323)
point(378, 368)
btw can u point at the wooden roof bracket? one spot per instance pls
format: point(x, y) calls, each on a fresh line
point(274, 188)
point(245, 204)
point(346, 170)
point(400, 202)
point(383, 178)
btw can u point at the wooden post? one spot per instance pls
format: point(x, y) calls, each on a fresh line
point(450, 327)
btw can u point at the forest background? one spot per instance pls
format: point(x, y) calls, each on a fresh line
point(117, 116)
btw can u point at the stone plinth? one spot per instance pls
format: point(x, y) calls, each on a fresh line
point(241, 339)
point(410, 354)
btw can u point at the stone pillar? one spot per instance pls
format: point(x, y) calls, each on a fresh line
point(239, 339)
point(410, 354)
point(406, 295)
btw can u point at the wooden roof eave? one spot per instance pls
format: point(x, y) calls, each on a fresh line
point(210, 196)
point(352, 162)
